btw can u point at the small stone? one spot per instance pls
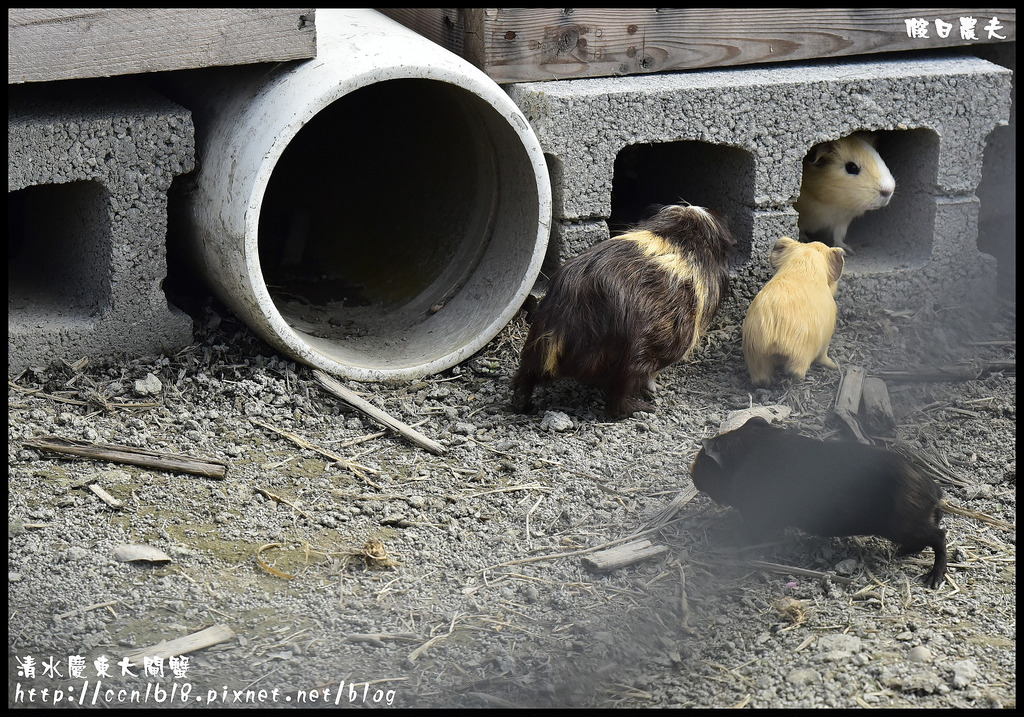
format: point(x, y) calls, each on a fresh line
point(964, 673)
point(804, 676)
point(148, 386)
point(556, 421)
point(920, 654)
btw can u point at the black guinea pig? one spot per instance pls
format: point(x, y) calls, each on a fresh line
point(778, 478)
point(626, 308)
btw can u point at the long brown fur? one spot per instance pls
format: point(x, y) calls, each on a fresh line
point(790, 322)
point(626, 308)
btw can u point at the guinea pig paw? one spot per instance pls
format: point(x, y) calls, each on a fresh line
point(638, 405)
point(845, 247)
point(934, 579)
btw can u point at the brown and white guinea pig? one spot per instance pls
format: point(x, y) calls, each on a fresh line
point(842, 179)
point(778, 478)
point(626, 308)
point(790, 322)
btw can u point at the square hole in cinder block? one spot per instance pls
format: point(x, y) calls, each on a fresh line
point(708, 175)
point(997, 218)
point(59, 252)
point(901, 234)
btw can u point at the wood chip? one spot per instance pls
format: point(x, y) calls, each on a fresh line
point(622, 555)
point(130, 553)
point(877, 408)
point(212, 635)
point(106, 497)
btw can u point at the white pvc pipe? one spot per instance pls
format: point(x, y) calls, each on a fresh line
point(379, 212)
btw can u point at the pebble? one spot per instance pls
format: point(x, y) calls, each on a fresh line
point(148, 386)
point(964, 673)
point(803, 676)
point(920, 654)
point(555, 421)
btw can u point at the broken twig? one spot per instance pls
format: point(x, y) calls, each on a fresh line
point(878, 416)
point(623, 555)
point(949, 373)
point(133, 456)
point(182, 645)
point(378, 415)
point(298, 440)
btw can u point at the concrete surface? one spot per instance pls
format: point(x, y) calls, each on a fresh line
point(90, 164)
point(88, 169)
point(734, 139)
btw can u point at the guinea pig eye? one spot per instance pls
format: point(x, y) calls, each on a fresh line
point(852, 168)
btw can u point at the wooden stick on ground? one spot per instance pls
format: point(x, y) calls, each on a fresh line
point(848, 400)
point(298, 440)
point(378, 415)
point(212, 635)
point(948, 373)
point(623, 555)
point(209, 468)
point(792, 570)
point(878, 417)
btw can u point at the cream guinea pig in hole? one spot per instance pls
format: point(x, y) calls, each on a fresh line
point(842, 180)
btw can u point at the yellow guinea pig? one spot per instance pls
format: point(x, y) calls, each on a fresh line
point(842, 180)
point(790, 322)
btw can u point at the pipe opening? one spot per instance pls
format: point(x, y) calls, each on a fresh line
point(395, 221)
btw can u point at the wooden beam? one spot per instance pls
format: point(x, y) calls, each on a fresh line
point(46, 44)
point(536, 44)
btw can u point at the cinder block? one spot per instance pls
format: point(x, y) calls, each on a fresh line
point(88, 170)
point(733, 140)
point(998, 190)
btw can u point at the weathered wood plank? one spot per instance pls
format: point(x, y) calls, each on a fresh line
point(210, 468)
point(848, 400)
point(877, 408)
point(622, 555)
point(46, 44)
point(527, 44)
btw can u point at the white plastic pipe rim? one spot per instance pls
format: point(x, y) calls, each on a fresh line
point(380, 212)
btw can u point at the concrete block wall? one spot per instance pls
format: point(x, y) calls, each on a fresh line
point(734, 139)
point(90, 164)
point(998, 189)
point(88, 170)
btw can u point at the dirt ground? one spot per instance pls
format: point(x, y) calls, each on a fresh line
point(343, 565)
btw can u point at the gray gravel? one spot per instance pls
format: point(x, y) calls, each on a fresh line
point(459, 580)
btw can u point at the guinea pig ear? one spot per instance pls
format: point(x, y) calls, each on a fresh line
point(836, 263)
point(869, 137)
point(820, 153)
point(779, 251)
point(712, 450)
